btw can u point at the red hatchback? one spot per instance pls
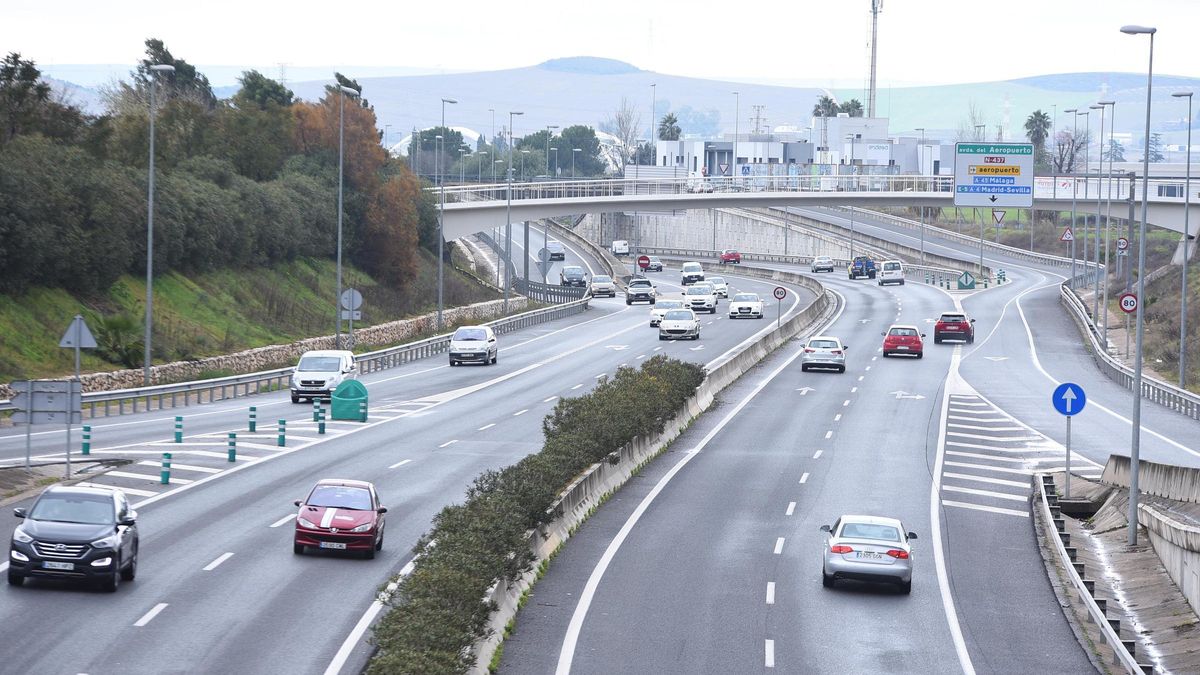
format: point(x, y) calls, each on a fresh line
point(954, 326)
point(730, 255)
point(903, 340)
point(340, 515)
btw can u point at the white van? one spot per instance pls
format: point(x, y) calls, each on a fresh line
point(320, 372)
point(891, 272)
point(620, 247)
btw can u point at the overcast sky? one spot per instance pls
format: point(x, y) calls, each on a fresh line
point(816, 42)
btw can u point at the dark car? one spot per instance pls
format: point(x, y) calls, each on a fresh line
point(340, 515)
point(861, 266)
point(954, 326)
point(572, 275)
point(80, 533)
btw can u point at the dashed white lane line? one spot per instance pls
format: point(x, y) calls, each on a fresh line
point(770, 656)
point(874, 357)
point(860, 378)
point(770, 592)
point(829, 434)
point(779, 546)
point(867, 368)
point(985, 493)
point(804, 476)
point(547, 400)
point(790, 509)
point(657, 348)
point(576, 387)
point(853, 390)
point(149, 616)
point(399, 464)
point(845, 403)
point(641, 356)
point(452, 442)
point(817, 454)
point(596, 377)
point(220, 559)
point(837, 417)
point(486, 427)
point(520, 412)
point(289, 517)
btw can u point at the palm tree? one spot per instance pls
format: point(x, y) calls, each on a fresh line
point(825, 107)
point(668, 128)
point(1037, 130)
point(853, 107)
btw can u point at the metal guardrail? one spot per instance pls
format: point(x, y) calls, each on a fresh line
point(1097, 615)
point(1153, 389)
point(140, 399)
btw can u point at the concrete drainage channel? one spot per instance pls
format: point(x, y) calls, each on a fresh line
point(580, 498)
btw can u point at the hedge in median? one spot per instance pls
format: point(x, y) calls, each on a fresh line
point(438, 611)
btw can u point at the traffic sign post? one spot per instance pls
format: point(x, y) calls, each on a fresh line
point(1129, 303)
point(966, 281)
point(351, 302)
point(993, 174)
point(1068, 399)
point(780, 293)
point(47, 402)
point(643, 262)
point(1067, 235)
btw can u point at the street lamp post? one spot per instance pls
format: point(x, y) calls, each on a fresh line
point(1074, 185)
point(493, 140)
point(1187, 204)
point(495, 234)
point(1087, 135)
point(1136, 422)
point(462, 166)
point(441, 211)
point(851, 139)
point(523, 153)
point(146, 358)
point(1096, 229)
point(573, 151)
point(508, 215)
point(479, 177)
point(737, 111)
point(343, 92)
point(920, 156)
point(548, 134)
point(555, 174)
point(1108, 210)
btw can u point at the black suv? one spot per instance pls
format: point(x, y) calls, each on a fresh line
point(572, 275)
point(82, 533)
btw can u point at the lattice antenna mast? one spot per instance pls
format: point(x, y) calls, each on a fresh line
point(876, 8)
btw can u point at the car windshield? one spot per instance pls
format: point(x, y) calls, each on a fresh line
point(745, 297)
point(678, 315)
point(601, 279)
point(573, 271)
point(664, 305)
point(903, 332)
point(691, 267)
point(319, 364)
point(953, 318)
point(822, 344)
point(870, 531)
point(640, 282)
point(654, 259)
point(698, 290)
point(89, 509)
point(716, 280)
point(340, 497)
point(469, 334)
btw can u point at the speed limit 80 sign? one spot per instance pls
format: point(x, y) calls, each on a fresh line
point(780, 292)
point(1129, 303)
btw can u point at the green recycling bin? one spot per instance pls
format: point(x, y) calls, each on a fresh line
point(349, 402)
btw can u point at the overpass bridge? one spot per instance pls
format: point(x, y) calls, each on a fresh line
point(474, 208)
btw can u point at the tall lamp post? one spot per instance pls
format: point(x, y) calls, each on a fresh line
point(508, 214)
point(492, 140)
point(1136, 422)
point(1108, 209)
point(441, 210)
point(1187, 204)
point(555, 151)
point(462, 166)
point(1087, 135)
point(1074, 184)
point(573, 151)
point(850, 137)
point(920, 168)
point(737, 112)
point(548, 134)
point(343, 92)
point(479, 176)
point(1096, 229)
point(146, 362)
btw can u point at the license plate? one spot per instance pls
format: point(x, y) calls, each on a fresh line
point(869, 555)
point(66, 566)
point(333, 544)
point(902, 348)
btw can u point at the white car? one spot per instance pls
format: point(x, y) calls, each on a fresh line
point(320, 372)
point(473, 344)
point(892, 272)
point(747, 305)
point(691, 273)
point(661, 308)
point(701, 297)
point(824, 351)
point(678, 324)
point(719, 286)
point(868, 548)
point(822, 263)
point(640, 289)
point(602, 284)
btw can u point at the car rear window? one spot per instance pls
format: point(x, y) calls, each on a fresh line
point(572, 270)
point(601, 278)
point(903, 332)
point(869, 531)
point(953, 318)
point(341, 497)
point(891, 266)
point(669, 304)
point(823, 344)
point(717, 280)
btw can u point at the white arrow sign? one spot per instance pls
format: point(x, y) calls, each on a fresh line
point(696, 349)
point(617, 348)
point(864, 320)
point(904, 394)
point(1068, 398)
point(996, 358)
point(805, 390)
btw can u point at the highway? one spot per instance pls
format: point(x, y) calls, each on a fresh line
point(219, 589)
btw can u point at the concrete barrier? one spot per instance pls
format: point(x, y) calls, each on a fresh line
point(576, 501)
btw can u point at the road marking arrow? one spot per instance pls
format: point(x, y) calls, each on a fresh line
point(996, 358)
point(904, 394)
point(617, 348)
point(805, 390)
point(864, 320)
point(696, 349)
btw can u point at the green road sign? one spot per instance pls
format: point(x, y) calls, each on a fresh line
point(966, 281)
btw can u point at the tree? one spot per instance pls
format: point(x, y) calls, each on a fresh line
point(1037, 129)
point(1154, 147)
point(587, 160)
point(389, 240)
point(22, 94)
point(185, 82)
point(973, 128)
point(826, 107)
point(1115, 151)
point(624, 124)
point(1067, 150)
point(853, 107)
point(645, 154)
point(668, 128)
point(261, 91)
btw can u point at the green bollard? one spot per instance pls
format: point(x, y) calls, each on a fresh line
point(321, 423)
point(87, 439)
point(178, 429)
point(253, 418)
point(166, 468)
point(232, 447)
point(282, 433)
point(362, 411)
point(316, 408)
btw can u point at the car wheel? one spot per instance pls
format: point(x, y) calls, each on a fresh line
point(886, 354)
point(369, 554)
point(920, 355)
point(130, 572)
point(901, 282)
point(906, 587)
point(841, 369)
point(113, 582)
point(803, 368)
point(298, 549)
point(629, 302)
point(453, 363)
point(15, 579)
point(495, 358)
point(295, 399)
point(826, 580)
point(661, 337)
point(937, 340)
point(971, 340)
point(379, 544)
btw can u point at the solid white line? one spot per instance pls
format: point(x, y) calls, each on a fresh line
point(449, 443)
point(400, 464)
point(989, 509)
point(817, 454)
point(181, 467)
point(576, 387)
point(486, 427)
point(790, 509)
point(136, 493)
point(977, 419)
point(829, 434)
point(998, 469)
point(988, 437)
point(1005, 450)
point(976, 403)
point(804, 476)
point(149, 616)
point(364, 622)
point(985, 479)
point(779, 546)
point(770, 656)
point(547, 400)
point(976, 427)
point(520, 412)
point(985, 493)
point(289, 517)
point(144, 476)
point(995, 458)
point(220, 559)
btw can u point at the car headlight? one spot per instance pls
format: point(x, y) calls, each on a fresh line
point(19, 535)
point(107, 542)
point(304, 522)
point(365, 527)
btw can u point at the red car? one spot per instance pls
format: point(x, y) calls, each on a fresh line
point(729, 255)
point(903, 340)
point(340, 515)
point(954, 326)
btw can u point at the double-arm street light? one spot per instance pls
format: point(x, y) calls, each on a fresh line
point(555, 150)
point(441, 209)
point(343, 92)
point(1136, 421)
point(1108, 206)
point(508, 214)
point(479, 178)
point(1087, 136)
point(1187, 245)
point(146, 358)
point(548, 134)
point(1074, 184)
point(573, 151)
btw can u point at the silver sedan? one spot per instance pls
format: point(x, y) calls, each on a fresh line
point(824, 351)
point(868, 548)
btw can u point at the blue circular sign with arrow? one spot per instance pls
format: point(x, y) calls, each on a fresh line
point(1069, 399)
